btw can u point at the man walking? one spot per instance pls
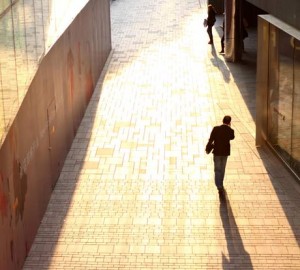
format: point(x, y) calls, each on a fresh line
point(219, 141)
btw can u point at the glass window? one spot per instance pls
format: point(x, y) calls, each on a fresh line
point(296, 109)
point(280, 92)
point(284, 109)
point(4, 4)
point(20, 47)
point(273, 87)
point(28, 28)
point(8, 76)
point(284, 96)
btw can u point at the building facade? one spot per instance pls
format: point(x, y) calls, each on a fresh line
point(278, 80)
point(278, 70)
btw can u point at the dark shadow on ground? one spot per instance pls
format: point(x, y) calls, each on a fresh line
point(244, 71)
point(220, 64)
point(239, 258)
point(286, 186)
point(61, 199)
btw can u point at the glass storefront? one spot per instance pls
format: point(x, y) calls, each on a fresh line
point(283, 131)
point(28, 28)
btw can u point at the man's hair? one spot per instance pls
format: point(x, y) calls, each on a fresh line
point(227, 119)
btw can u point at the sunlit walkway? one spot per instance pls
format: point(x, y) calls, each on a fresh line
point(137, 190)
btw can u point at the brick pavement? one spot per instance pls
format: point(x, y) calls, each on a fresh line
point(137, 191)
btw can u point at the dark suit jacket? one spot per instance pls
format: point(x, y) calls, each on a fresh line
point(220, 139)
point(211, 18)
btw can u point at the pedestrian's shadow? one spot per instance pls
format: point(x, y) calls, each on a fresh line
point(238, 256)
point(219, 63)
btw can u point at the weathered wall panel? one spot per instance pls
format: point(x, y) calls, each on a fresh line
point(33, 153)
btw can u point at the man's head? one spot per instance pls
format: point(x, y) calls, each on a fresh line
point(227, 120)
point(210, 7)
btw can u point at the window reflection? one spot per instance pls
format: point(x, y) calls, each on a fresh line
point(296, 109)
point(284, 96)
point(4, 4)
point(28, 28)
point(273, 86)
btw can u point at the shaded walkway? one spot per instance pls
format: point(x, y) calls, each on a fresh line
point(137, 191)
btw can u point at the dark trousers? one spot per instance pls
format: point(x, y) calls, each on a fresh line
point(222, 43)
point(209, 31)
point(220, 165)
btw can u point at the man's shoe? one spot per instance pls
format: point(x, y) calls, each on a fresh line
point(210, 42)
point(221, 51)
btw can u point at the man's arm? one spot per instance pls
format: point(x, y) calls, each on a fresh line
point(232, 135)
point(210, 141)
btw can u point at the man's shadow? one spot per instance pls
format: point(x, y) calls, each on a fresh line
point(219, 63)
point(218, 59)
point(238, 256)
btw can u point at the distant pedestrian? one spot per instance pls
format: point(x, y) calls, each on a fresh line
point(244, 32)
point(211, 19)
point(219, 141)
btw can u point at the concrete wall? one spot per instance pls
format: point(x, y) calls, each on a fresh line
point(287, 10)
point(34, 151)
